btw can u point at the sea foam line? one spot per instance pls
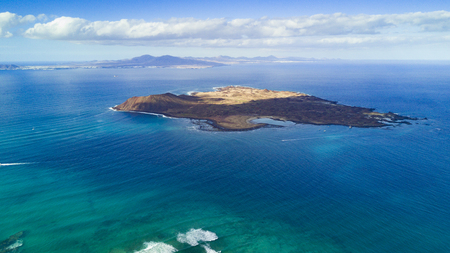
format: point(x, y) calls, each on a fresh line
point(12, 164)
point(157, 247)
point(155, 114)
point(150, 113)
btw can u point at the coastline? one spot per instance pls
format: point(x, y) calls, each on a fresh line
point(233, 108)
point(149, 113)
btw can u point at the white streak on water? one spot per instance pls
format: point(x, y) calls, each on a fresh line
point(15, 245)
point(150, 113)
point(209, 250)
point(155, 114)
point(157, 247)
point(12, 164)
point(194, 236)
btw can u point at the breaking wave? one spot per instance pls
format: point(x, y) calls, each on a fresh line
point(150, 113)
point(208, 249)
point(15, 245)
point(194, 236)
point(155, 114)
point(157, 247)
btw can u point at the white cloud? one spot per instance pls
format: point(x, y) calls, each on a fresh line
point(42, 17)
point(318, 30)
point(10, 20)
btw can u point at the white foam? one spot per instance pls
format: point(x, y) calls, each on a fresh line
point(194, 236)
point(15, 245)
point(209, 250)
point(157, 247)
point(150, 113)
point(155, 114)
point(12, 164)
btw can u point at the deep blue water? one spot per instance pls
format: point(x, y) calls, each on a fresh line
point(79, 177)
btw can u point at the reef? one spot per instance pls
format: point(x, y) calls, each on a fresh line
point(12, 243)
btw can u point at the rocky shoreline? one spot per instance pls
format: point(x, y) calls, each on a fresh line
point(232, 108)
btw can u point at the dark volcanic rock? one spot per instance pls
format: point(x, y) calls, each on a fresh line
point(232, 108)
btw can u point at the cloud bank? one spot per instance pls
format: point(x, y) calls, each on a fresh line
point(322, 30)
point(10, 20)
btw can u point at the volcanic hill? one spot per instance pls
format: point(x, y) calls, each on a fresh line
point(234, 108)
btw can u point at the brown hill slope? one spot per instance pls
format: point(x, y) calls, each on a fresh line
point(233, 108)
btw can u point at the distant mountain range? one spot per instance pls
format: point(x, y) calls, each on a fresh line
point(8, 67)
point(165, 61)
point(161, 61)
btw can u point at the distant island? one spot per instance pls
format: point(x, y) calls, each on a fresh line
point(144, 61)
point(165, 61)
point(233, 108)
point(9, 67)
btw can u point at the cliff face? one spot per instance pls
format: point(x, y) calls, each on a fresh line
point(233, 108)
point(154, 103)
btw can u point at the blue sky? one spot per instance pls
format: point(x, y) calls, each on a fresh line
point(96, 30)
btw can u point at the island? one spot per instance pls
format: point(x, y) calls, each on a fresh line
point(233, 108)
point(164, 61)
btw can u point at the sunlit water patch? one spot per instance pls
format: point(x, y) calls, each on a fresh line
point(79, 177)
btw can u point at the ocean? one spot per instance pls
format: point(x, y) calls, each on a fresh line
point(78, 177)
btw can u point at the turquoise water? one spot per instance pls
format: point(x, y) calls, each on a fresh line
point(79, 177)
